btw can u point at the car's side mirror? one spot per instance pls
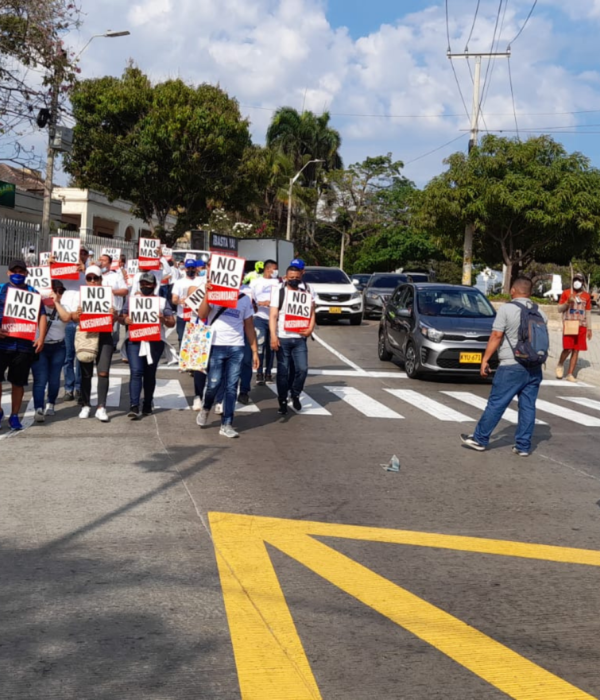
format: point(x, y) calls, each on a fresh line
point(405, 313)
point(355, 283)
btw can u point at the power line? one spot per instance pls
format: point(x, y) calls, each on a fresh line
point(512, 92)
point(490, 59)
point(487, 85)
point(472, 26)
point(435, 150)
point(535, 2)
point(462, 97)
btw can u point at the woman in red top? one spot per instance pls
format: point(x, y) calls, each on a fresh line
point(576, 305)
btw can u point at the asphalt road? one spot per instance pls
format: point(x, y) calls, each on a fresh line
point(154, 560)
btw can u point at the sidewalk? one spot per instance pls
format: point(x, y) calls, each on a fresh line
point(588, 367)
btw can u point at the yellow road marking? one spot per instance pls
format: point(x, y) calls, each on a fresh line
point(271, 661)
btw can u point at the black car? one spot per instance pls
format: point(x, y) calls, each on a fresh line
point(379, 290)
point(436, 328)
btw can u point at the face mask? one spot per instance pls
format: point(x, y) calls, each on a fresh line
point(17, 279)
point(182, 268)
point(103, 269)
point(202, 273)
point(577, 285)
point(190, 273)
point(293, 284)
point(147, 291)
point(274, 274)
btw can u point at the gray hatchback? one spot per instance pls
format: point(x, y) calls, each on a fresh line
point(436, 328)
point(379, 289)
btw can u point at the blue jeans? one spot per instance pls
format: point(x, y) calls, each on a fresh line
point(246, 372)
point(71, 366)
point(511, 381)
point(46, 372)
point(291, 350)
point(225, 365)
point(143, 374)
point(180, 329)
point(263, 339)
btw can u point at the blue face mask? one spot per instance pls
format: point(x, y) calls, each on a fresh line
point(17, 279)
point(202, 273)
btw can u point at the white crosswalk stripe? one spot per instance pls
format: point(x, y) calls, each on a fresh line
point(434, 408)
point(169, 394)
point(113, 399)
point(310, 407)
point(587, 403)
point(568, 414)
point(363, 402)
point(467, 397)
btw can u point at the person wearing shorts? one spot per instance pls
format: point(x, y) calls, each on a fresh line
point(576, 305)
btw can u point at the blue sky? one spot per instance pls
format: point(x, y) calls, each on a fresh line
point(384, 58)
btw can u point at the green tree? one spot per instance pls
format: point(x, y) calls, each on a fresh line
point(168, 148)
point(527, 200)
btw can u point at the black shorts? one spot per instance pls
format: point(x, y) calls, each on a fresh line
point(18, 365)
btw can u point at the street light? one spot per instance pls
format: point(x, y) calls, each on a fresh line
point(288, 235)
point(109, 34)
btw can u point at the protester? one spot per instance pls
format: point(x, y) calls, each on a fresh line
point(261, 288)
point(182, 290)
point(115, 280)
point(93, 278)
point(144, 356)
point(290, 346)
point(16, 354)
point(48, 369)
point(226, 356)
point(512, 377)
point(576, 306)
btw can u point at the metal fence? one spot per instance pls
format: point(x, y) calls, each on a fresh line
point(18, 237)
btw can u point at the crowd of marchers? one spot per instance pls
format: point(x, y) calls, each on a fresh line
point(247, 337)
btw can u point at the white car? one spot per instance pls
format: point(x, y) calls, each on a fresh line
point(335, 295)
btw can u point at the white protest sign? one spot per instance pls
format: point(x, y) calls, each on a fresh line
point(21, 313)
point(96, 309)
point(65, 252)
point(115, 254)
point(40, 279)
point(190, 256)
point(192, 303)
point(226, 274)
point(167, 253)
point(149, 258)
point(297, 310)
point(144, 313)
point(45, 258)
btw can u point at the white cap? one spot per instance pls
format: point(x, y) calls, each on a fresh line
point(93, 270)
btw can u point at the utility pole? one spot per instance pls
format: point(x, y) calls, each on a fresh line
point(467, 276)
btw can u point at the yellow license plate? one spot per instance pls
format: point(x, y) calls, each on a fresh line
point(335, 310)
point(470, 358)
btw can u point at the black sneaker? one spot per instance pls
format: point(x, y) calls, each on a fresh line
point(260, 379)
point(147, 411)
point(244, 399)
point(69, 396)
point(283, 409)
point(296, 403)
point(268, 377)
point(521, 453)
point(134, 413)
point(469, 441)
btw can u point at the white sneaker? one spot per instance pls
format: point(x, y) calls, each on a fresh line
point(228, 432)
point(202, 418)
point(39, 415)
point(49, 409)
point(102, 415)
point(219, 409)
point(197, 404)
point(85, 412)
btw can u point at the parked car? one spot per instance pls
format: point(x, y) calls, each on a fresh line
point(360, 280)
point(416, 276)
point(335, 295)
point(436, 328)
point(379, 290)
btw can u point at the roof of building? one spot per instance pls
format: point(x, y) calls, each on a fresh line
point(24, 178)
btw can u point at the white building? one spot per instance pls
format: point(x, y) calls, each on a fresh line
point(94, 214)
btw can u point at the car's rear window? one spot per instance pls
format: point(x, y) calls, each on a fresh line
point(418, 277)
point(326, 275)
point(387, 281)
point(466, 303)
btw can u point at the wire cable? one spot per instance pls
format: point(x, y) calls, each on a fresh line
point(462, 97)
point(535, 2)
point(472, 26)
point(512, 92)
point(491, 59)
point(435, 150)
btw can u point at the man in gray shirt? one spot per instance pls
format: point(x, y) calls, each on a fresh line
point(511, 379)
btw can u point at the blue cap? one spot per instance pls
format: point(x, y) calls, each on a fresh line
point(200, 263)
point(299, 263)
point(191, 263)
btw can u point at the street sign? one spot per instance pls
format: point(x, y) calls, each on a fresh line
point(7, 194)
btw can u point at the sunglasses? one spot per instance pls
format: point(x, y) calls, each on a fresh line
point(92, 278)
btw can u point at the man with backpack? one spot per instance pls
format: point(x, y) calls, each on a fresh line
point(520, 336)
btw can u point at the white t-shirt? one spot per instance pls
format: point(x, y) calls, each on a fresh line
point(181, 289)
point(229, 327)
point(115, 280)
point(74, 285)
point(275, 297)
point(70, 302)
point(261, 291)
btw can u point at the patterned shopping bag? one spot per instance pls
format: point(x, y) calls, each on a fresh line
point(195, 347)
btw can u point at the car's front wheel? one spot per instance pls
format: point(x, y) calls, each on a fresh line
point(384, 354)
point(411, 362)
point(356, 319)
